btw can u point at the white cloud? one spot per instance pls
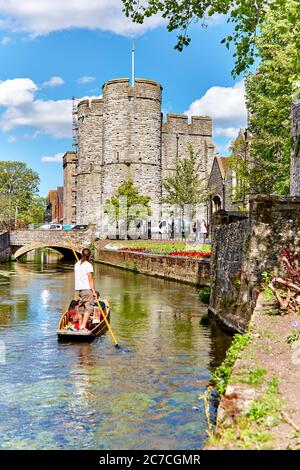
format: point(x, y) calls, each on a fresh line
point(5, 40)
point(17, 91)
point(53, 117)
point(85, 79)
point(226, 106)
point(40, 17)
point(12, 139)
point(53, 82)
point(23, 109)
point(47, 117)
point(53, 158)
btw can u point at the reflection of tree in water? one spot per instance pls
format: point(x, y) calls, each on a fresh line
point(13, 308)
point(41, 256)
point(165, 312)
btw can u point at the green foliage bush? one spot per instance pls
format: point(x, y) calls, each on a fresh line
point(204, 294)
point(222, 373)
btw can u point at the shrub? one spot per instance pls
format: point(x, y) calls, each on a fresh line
point(204, 294)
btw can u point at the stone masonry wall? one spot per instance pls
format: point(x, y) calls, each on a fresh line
point(5, 250)
point(132, 137)
point(178, 134)
point(215, 182)
point(242, 251)
point(222, 187)
point(191, 271)
point(295, 157)
point(69, 165)
point(22, 241)
point(90, 157)
point(229, 249)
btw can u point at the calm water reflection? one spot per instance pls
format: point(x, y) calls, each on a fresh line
point(93, 396)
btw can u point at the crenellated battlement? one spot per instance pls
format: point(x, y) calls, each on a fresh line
point(121, 87)
point(69, 157)
point(93, 106)
point(179, 123)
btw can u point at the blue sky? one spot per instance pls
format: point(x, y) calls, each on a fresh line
point(35, 112)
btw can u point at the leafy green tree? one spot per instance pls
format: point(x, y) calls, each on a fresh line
point(185, 187)
point(245, 15)
point(270, 93)
point(18, 187)
point(35, 212)
point(128, 204)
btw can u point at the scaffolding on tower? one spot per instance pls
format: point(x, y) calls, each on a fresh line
point(75, 123)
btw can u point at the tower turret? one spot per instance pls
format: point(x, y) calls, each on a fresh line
point(132, 136)
point(90, 155)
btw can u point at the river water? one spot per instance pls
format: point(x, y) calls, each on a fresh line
point(144, 395)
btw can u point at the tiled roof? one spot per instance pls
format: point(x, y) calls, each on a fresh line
point(223, 165)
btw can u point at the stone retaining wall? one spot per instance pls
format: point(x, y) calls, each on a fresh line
point(5, 250)
point(242, 249)
point(229, 249)
point(190, 270)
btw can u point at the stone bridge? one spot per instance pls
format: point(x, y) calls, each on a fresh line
point(23, 241)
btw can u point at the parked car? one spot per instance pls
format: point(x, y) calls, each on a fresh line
point(50, 227)
point(68, 227)
point(79, 227)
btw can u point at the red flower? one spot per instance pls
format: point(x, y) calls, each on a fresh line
point(191, 254)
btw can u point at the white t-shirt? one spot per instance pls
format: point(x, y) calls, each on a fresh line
point(203, 228)
point(81, 275)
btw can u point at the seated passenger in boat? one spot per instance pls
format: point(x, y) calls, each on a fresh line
point(73, 310)
point(96, 313)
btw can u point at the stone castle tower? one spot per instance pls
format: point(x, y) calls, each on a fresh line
point(122, 135)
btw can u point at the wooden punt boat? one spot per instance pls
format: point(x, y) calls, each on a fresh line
point(65, 334)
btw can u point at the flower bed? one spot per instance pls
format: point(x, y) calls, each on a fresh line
point(163, 248)
point(191, 254)
point(138, 250)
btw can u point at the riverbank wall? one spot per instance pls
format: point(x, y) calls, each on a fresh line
point(5, 249)
point(245, 245)
point(184, 269)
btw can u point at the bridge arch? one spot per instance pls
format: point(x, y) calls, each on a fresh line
point(23, 241)
point(65, 250)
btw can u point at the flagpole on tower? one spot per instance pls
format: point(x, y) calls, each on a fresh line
point(132, 64)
